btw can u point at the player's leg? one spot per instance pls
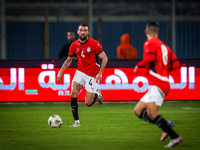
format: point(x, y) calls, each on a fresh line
point(75, 89)
point(90, 98)
point(77, 85)
point(140, 108)
point(92, 94)
point(152, 111)
point(156, 100)
point(99, 96)
point(164, 134)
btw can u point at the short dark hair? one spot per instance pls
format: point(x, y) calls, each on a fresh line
point(70, 32)
point(152, 27)
point(84, 25)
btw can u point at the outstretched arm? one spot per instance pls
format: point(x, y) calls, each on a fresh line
point(104, 58)
point(65, 65)
point(147, 60)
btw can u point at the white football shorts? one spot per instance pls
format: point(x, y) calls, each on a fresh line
point(154, 94)
point(85, 80)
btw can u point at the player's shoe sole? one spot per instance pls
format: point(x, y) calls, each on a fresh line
point(99, 98)
point(164, 134)
point(175, 142)
point(75, 125)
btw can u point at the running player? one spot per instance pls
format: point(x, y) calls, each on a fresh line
point(88, 72)
point(159, 60)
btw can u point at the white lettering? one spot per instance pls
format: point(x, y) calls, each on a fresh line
point(191, 77)
point(121, 81)
point(52, 81)
point(21, 78)
point(13, 81)
point(183, 83)
point(144, 82)
point(116, 81)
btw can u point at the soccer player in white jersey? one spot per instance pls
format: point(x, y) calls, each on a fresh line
point(88, 72)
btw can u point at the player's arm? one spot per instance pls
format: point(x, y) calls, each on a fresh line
point(104, 58)
point(65, 65)
point(67, 62)
point(174, 63)
point(149, 56)
point(147, 60)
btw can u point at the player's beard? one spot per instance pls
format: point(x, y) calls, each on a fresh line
point(84, 38)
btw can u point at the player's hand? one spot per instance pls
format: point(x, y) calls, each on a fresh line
point(136, 69)
point(98, 78)
point(59, 77)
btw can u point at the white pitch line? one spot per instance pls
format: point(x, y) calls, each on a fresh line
point(191, 108)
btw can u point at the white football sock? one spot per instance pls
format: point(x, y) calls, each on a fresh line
point(77, 121)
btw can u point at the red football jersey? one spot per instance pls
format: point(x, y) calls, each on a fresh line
point(87, 54)
point(159, 59)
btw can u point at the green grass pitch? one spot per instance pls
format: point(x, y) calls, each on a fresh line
point(110, 126)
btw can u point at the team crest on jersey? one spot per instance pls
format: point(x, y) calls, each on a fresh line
point(88, 49)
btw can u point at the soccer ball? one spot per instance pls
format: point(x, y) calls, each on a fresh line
point(55, 121)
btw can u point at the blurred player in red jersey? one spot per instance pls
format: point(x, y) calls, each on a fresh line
point(88, 72)
point(159, 60)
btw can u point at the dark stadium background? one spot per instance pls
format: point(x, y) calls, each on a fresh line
point(25, 30)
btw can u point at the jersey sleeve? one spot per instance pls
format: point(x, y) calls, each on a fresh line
point(174, 62)
point(148, 54)
point(72, 50)
point(98, 48)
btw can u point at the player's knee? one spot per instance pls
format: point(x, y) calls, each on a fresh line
point(151, 114)
point(74, 94)
point(88, 103)
point(89, 99)
point(136, 111)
